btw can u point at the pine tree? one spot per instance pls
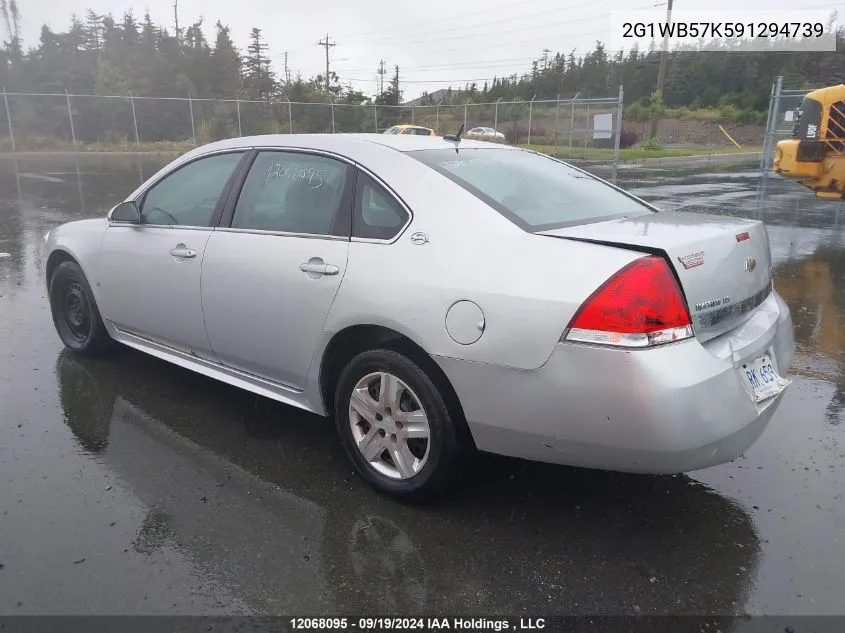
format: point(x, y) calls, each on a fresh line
point(226, 63)
point(258, 79)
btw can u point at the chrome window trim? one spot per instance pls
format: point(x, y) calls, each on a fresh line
point(162, 226)
point(152, 183)
point(352, 163)
point(304, 150)
point(277, 148)
point(313, 236)
point(397, 198)
point(288, 150)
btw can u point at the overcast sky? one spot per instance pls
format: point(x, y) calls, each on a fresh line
point(434, 42)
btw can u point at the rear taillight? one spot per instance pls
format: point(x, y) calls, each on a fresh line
point(640, 306)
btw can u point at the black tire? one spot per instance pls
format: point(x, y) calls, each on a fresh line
point(447, 450)
point(75, 313)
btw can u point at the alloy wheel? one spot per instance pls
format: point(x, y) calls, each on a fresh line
point(389, 425)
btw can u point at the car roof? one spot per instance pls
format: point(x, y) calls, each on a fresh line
point(343, 142)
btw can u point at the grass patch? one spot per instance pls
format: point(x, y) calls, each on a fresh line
point(47, 144)
point(635, 153)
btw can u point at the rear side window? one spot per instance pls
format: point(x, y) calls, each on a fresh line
point(377, 214)
point(534, 191)
point(291, 192)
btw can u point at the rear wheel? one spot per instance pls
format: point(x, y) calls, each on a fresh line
point(396, 425)
point(75, 312)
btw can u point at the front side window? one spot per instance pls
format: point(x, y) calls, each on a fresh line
point(377, 214)
point(189, 195)
point(291, 192)
point(534, 191)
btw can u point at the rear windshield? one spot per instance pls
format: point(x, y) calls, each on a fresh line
point(419, 131)
point(534, 191)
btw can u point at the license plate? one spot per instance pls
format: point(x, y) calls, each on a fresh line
point(761, 379)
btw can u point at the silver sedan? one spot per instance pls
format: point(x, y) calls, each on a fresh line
point(485, 133)
point(438, 296)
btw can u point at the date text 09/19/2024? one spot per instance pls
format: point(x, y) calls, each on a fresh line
point(416, 624)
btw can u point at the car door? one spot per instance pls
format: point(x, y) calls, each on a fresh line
point(272, 269)
point(150, 272)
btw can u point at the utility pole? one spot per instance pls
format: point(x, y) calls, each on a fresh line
point(176, 20)
point(287, 70)
point(381, 72)
point(661, 70)
point(327, 45)
point(545, 57)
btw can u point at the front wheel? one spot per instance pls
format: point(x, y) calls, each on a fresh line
point(75, 312)
point(396, 426)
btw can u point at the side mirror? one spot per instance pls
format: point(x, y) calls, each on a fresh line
point(126, 212)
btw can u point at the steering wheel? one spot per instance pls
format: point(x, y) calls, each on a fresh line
point(211, 199)
point(163, 212)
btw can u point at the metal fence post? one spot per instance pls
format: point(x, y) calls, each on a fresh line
point(437, 117)
point(557, 119)
point(496, 115)
point(134, 119)
point(290, 116)
point(193, 129)
point(70, 118)
point(465, 112)
point(9, 118)
point(572, 120)
point(375, 116)
point(617, 133)
point(413, 114)
point(772, 128)
point(768, 127)
point(530, 113)
point(332, 103)
point(238, 99)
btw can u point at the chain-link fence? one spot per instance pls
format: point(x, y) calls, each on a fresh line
point(570, 128)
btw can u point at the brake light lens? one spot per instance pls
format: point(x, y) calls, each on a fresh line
point(640, 306)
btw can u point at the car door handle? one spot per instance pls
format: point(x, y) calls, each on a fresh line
point(320, 269)
point(181, 251)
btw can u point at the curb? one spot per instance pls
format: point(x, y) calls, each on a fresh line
point(696, 158)
point(72, 154)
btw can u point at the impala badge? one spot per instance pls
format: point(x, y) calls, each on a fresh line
point(750, 264)
point(692, 260)
point(419, 238)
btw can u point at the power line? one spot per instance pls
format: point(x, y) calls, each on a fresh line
point(424, 81)
point(487, 34)
point(465, 36)
point(476, 25)
point(487, 63)
point(500, 44)
point(448, 19)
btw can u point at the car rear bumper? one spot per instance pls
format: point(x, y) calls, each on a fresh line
point(674, 408)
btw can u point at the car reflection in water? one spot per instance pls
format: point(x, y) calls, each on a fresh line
point(261, 498)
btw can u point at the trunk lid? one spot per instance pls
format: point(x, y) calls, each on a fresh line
point(723, 263)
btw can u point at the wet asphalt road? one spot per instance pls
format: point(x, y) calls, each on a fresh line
point(130, 486)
